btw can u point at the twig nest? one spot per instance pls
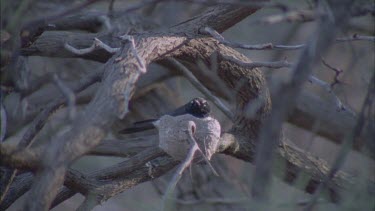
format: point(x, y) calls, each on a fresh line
point(174, 136)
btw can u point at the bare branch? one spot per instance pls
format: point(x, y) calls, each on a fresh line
point(345, 148)
point(38, 124)
point(123, 168)
point(213, 201)
point(356, 37)
point(270, 46)
point(97, 43)
point(69, 95)
point(89, 203)
point(337, 73)
point(312, 79)
point(124, 148)
point(32, 30)
point(106, 22)
point(26, 141)
point(291, 16)
point(185, 164)
point(21, 184)
point(142, 66)
point(22, 159)
point(252, 65)
point(327, 87)
point(267, 46)
point(311, 110)
point(3, 120)
point(187, 73)
point(308, 15)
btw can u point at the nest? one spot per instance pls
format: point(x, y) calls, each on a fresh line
point(175, 140)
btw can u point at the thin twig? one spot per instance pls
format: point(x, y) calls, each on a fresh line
point(177, 176)
point(211, 74)
point(110, 13)
point(213, 201)
point(312, 79)
point(95, 45)
point(69, 95)
point(187, 73)
point(307, 15)
point(356, 37)
point(292, 16)
point(3, 117)
point(337, 73)
point(186, 163)
point(327, 87)
point(266, 46)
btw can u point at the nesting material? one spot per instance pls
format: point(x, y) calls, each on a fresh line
point(174, 136)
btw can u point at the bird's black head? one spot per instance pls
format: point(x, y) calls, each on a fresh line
point(198, 107)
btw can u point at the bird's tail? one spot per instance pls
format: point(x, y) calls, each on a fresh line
point(139, 126)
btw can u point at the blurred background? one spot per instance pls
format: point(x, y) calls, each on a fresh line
point(199, 187)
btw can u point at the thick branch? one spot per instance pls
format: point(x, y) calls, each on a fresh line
point(311, 112)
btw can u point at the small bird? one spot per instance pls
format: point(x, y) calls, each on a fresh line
point(197, 107)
